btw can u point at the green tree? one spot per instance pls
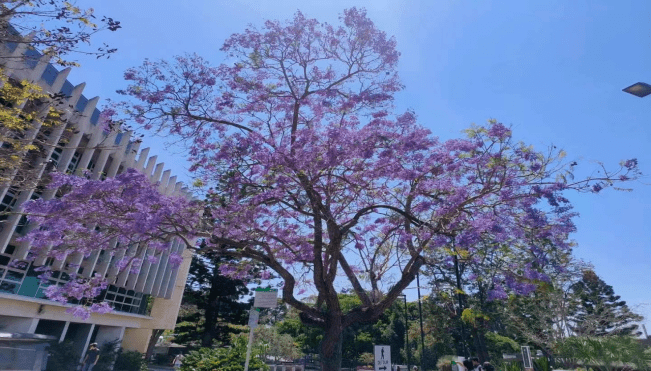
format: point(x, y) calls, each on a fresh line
point(307, 338)
point(275, 346)
point(223, 359)
point(598, 311)
point(212, 304)
point(358, 338)
point(606, 353)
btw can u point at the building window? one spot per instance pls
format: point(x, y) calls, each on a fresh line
point(123, 300)
point(11, 276)
point(8, 203)
point(56, 156)
point(74, 161)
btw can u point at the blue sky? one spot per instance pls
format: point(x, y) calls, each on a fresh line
point(553, 70)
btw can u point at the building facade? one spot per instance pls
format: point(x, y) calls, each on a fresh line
point(142, 301)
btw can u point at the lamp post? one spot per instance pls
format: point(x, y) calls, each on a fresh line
point(639, 89)
point(406, 332)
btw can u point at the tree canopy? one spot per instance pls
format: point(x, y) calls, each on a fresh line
point(309, 171)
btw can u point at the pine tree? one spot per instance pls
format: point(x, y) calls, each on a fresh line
point(598, 311)
point(212, 302)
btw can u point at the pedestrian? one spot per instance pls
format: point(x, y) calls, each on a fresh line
point(397, 368)
point(467, 364)
point(92, 356)
point(488, 367)
point(476, 366)
point(178, 360)
point(415, 368)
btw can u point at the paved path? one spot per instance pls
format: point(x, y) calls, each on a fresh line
point(160, 368)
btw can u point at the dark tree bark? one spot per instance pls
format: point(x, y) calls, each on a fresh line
point(212, 312)
point(155, 334)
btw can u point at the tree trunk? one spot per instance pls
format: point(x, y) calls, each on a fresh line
point(480, 345)
point(210, 324)
point(155, 334)
point(331, 345)
point(211, 313)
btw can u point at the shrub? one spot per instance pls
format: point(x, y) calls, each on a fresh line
point(130, 361)
point(223, 359)
point(62, 356)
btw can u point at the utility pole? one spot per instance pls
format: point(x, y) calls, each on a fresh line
point(406, 332)
point(460, 299)
point(422, 333)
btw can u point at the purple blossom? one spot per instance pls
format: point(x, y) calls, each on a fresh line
point(308, 166)
point(175, 260)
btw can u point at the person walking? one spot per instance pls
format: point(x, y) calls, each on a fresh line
point(92, 356)
point(476, 366)
point(178, 361)
point(488, 367)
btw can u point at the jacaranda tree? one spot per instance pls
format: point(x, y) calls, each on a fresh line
point(308, 171)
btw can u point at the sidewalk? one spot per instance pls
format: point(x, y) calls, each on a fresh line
point(160, 368)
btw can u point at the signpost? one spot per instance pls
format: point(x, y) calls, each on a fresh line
point(382, 358)
point(254, 316)
point(264, 298)
point(526, 358)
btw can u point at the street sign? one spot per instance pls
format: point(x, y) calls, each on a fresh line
point(254, 316)
point(266, 298)
point(382, 358)
point(526, 358)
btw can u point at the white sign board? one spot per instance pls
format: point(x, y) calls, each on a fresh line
point(254, 316)
point(265, 298)
point(382, 358)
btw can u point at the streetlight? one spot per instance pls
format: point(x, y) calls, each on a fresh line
point(639, 89)
point(406, 332)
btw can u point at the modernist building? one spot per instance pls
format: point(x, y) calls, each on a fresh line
point(142, 302)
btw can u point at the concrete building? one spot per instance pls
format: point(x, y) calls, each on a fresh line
point(142, 302)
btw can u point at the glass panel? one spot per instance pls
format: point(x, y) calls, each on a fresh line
point(8, 287)
point(40, 293)
point(20, 265)
point(4, 260)
point(14, 276)
point(30, 284)
point(10, 249)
